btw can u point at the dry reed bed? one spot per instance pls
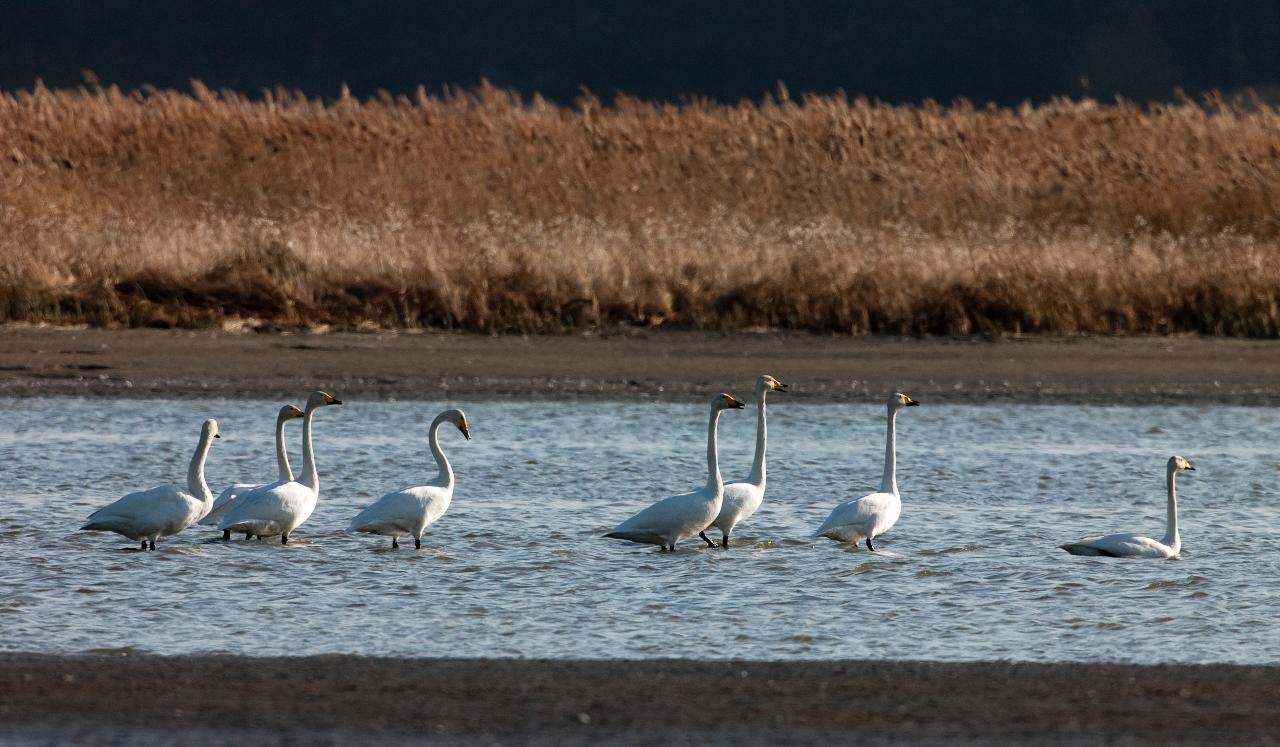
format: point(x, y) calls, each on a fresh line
point(477, 210)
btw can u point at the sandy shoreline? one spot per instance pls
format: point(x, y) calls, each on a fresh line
point(331, 699)
point(38, 361)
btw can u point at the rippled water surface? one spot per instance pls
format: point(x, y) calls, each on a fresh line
point(518, 568)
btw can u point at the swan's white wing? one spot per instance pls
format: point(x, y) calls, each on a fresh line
point(867, 516)
point(741, 500)
point(166, 509)
point(223, 503)
point(1122, 545)
point(404, 511)
point(668, 520)
point(271, 509)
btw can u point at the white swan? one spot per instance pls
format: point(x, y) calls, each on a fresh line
point(412, 510)
point(872, 515)
point(284, 473)
point(743, 497)
point(672, 519)
point(148, 515)
point(1126, 545)
point(279, 508)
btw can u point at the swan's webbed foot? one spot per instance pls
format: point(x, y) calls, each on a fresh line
point(703, 535)
point(870, 546)
point(226, 535)
point(284, 539)
point(417, 543)
point(395, 543)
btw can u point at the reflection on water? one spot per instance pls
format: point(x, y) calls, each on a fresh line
point(517, 566)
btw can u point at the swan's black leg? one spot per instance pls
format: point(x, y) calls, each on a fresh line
point(151, 545)
point(284, 539)
point(395, 544)
point(725, 541)
point(417, 543)
point(226, 535)
point(703, 535)
point(870, 546)
point(144, 544)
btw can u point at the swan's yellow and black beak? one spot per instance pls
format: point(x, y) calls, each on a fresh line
point(466, 433)
point(735, 404)
point(778, 386)
point(911, 402)
point(297, 413)
point(217, 435)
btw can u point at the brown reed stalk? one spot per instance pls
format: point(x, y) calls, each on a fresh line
point(483, 211)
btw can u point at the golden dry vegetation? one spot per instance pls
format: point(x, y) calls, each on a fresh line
point(479, 210)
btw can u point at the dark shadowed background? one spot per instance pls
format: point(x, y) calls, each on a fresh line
point(1001, 50)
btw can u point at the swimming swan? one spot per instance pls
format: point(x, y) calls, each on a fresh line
point(282, 506)
point(742, 498)
point(672, 519)
point(148, 515)
point(284, 473)
point(412, 510)
point(1126, 545)
point(872, 515)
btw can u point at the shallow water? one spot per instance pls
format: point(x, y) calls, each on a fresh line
point(517, 566)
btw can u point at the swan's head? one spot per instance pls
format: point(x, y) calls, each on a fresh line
point(321, 399)
point(898, 400)
point(459, 419)
point(767, 383)
point(724, 401)
point(210, 429)
point(1178, 464)
point(289, 412)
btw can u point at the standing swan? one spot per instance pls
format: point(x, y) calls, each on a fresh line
point(1126, 545)
point(743, 497)
point(148, 515)
point(280, 507)
point(412, 510)
point(672, 519)
point(872, 515)
point(284, 473)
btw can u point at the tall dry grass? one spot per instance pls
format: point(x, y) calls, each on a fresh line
point(477, 210)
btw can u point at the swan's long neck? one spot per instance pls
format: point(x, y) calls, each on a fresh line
point(889, 482)
point(310, 477)
point(715, 485)
point(1171, 537)
point(283, 470)
point(758, 475)
point(442, 462)
point(195, 473)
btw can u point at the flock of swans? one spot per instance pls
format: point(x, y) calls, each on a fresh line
point(276, 509)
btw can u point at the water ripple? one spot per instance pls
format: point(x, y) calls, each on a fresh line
point(517, 567)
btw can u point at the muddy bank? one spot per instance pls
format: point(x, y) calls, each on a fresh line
point(684, 365)
point(331, 699)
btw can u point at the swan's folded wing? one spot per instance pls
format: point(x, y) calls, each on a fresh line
point(859, 513)
point(662, 514)
point(398, 510)
point(143, 503)
point(1122, 545)
point(277, 503)
point(224, 502)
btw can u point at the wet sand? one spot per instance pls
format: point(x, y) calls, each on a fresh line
point(335, 699)
point(38, 361)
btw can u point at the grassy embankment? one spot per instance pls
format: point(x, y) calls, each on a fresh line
point(478, 211)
